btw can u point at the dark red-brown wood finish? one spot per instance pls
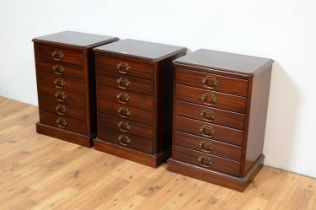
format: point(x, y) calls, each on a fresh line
point(66, 85)
point(219, 116)
point(134, 97)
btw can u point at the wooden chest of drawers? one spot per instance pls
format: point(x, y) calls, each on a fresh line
point(220, 107)
point(134, 90)
point(66, 85)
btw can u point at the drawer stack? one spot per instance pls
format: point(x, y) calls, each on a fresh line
point(65, 82)
point(134, 107)
point(215, 138)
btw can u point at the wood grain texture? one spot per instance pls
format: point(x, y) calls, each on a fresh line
point(41, 172)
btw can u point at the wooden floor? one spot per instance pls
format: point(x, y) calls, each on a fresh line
point(40, 172)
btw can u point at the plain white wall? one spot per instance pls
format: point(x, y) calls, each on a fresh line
point(284, 30)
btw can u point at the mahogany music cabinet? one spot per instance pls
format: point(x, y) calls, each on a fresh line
point(66, 85)
point(134, 97)
point(219, 116)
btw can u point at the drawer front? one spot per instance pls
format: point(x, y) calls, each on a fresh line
point(53, 95)
point(125, 126)
point(206, 161)
point(208, 130)
point(60, 70)
point(124, 67)
point(58, 54)
point(125, 97)
point(211, 99)
point(212, 82)
point(125, 140)
point(60, 83)
point(63, 122)
point(125, 82)
point(208, 114)
point(207, 146)
point(124, 112)
point(62, 109)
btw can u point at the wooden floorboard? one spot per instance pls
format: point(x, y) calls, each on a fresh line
point(40, 172)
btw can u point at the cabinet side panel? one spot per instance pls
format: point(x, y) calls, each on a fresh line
point(165, 102)
point(91, 84)
point(257, 116)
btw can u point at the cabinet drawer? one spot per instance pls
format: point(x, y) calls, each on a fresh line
point(207, 146)
point(124, 66)
point(125, 82)
point(206, 161)
point(53, 95)
point(60, 83)
point(126, 140)
point(63, 109)
point(124, 112)
point(208, 130)
point(61, 70)
point(125, 126)
point(58, 54)
point(63, 122)
point(125, 97)
point(208, 114)
point(212, 82)
point(211, 99)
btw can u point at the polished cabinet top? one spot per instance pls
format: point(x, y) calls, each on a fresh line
point(73, 38)
point(243, 64)
point(141, 49)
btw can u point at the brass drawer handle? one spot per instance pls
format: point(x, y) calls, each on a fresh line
point(207, 131)
point(210, 82)
point(123, 112)
point(209, 99)
point(205, 161)
point(59, 83)
point(208, 115)
point(57, 55)
point(123, 98)
point(123, 83)
point(60, 96)
point(124, 140)
point(123, 68)
point(206, 146)
point(61, 123)
point(61, 109)
point(58, 69)
point(124, 126)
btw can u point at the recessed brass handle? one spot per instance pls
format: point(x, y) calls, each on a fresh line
point(205, 161)
point(123, 83)
point(123, 98)
point(207, 131)
point(123, 68)
point(124, 140)
point(206, 146)
point(61, 109)
point(208, 115)
point(61, 122)
point(209, 82)
point(57, 55)
point(124, 126)
point(123, 112)
point(58, 69)
point(60, 96)
point(209, 99)
point(59, 83)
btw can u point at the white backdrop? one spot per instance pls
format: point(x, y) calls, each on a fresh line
point(284, 30)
